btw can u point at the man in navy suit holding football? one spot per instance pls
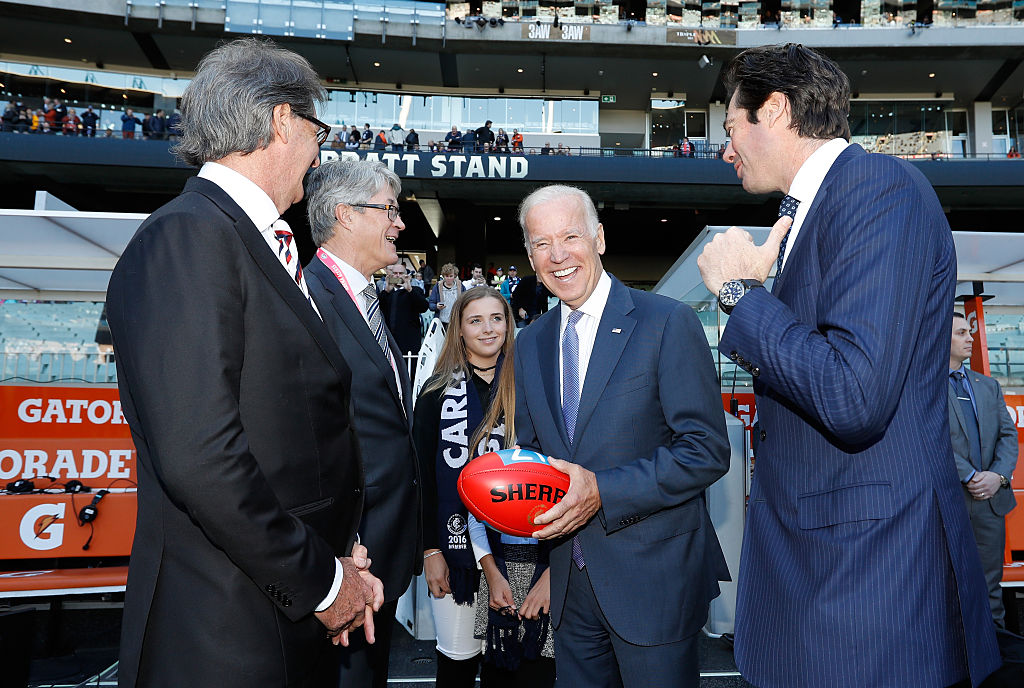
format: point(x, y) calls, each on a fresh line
point(858, 565)
point(621, 384)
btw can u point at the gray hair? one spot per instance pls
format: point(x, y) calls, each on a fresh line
point(229, 105)
point(350, 182)
point(555, 192)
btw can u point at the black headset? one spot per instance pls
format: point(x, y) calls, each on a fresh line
point(89, 513)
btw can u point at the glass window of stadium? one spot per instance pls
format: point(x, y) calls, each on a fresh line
point(1001, 139)
point(439, 113)
point(671, 121)
point(908, 128)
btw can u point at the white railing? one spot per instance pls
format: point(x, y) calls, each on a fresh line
point(53, 367)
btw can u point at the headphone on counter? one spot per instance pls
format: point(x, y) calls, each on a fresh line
point(89, 513)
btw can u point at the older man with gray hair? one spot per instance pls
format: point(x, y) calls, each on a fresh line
point(250, 479)
point(355, 221)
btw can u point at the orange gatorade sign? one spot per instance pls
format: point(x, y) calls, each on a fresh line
point(48, 525)
point(66, 433)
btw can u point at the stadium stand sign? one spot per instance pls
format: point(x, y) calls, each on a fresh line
point(701, 36)
point(542, 31)
point(442, 165)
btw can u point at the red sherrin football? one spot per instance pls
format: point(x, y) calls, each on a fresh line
point(509, 488)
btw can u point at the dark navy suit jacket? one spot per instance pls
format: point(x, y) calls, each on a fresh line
point(858, 566)
point(651, 426)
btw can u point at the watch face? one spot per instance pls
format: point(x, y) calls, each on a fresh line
point(731, 293)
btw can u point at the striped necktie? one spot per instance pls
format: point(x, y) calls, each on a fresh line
point(571, 398)
point(284, 236)
point(374, 318)
point(787, 208)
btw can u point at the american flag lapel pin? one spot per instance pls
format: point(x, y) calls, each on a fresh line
point(616, 330)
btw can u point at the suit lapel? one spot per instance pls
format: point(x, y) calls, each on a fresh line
point(353, 319)
point(980, 387)
point(271, 267)
point(608, 347)
point(547, 364)
point(954, 404)
point(810, 220)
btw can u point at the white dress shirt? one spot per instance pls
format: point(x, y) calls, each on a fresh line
point(586, 328)
point(258, 206)
point(357, 281)
point(806, 183)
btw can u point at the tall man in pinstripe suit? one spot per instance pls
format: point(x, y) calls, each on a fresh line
point(859, 567)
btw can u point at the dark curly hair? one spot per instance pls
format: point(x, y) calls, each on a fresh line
point(818, 91)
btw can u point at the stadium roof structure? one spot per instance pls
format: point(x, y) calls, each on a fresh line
point(56, 253)
point(996, 260)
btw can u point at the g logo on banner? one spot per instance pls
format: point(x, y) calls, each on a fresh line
point(40, 527)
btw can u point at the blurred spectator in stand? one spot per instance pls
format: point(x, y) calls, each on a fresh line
point(158, 126)
point(529, 300)
point(353, 139)
point(401, 304)
point(366, 138)
point(128, 122)
point(396, 137)
point(560, 150)
point(686, 149)
point(1013, 153)
point(9, 119)
point(380, 142)
point(147, 122)
point(454, 139)
point(509, 284)
point(37, 122)
point(61, 108)
point(517, 141)
point(427, 272)
point(476, 277)
point(173, 125)
point(469, 141)
point(71, 124)
point(24, 122)
point(417, 281)
point(432, 146)
point(546, 149)
point(444, 293)
point(484, 136)
point(338, 142)
point(501, 141)
point(498, 277)
point(721, 151)
point(89, 120)
point(412, 140)
point(677, 151)
point(52, 120)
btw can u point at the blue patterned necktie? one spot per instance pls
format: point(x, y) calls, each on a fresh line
point(571, 398)
point(970, 417)
point(786, 209)
point(374, 318)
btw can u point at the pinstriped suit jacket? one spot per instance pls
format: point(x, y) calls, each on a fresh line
point(859, 567)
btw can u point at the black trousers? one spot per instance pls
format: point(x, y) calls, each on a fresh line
point(362, 665)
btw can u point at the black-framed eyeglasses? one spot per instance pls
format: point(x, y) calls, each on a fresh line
point(392, 210)
point(323, 131)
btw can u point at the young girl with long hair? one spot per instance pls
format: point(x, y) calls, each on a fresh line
point(467, 408)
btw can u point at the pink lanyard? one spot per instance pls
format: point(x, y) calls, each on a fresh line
point(326, 259)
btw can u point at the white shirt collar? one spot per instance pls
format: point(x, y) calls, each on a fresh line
point(253, 200)
point(356, 280)
point(593, 306)
point(812, 173)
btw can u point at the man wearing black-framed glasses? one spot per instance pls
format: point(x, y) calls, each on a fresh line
point(323, 131)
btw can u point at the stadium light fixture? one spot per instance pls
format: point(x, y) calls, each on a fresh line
point(68, 41)
point(931, 75)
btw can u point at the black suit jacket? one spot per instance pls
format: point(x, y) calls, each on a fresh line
point(401, 311)
point(391, 527)
point(250, 480)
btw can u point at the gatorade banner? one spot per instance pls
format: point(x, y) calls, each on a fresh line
point(66, 433)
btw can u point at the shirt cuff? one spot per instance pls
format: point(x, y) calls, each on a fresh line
point(339, 574)
point(968, 478)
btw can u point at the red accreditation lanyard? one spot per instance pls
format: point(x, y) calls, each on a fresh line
point(326, 259)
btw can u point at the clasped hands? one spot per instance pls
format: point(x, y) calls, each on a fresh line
point(984, 484)
point(734, 255)
point(361, 594)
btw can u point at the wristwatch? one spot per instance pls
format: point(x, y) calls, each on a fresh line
point(1004, 482)
point(733, 290)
